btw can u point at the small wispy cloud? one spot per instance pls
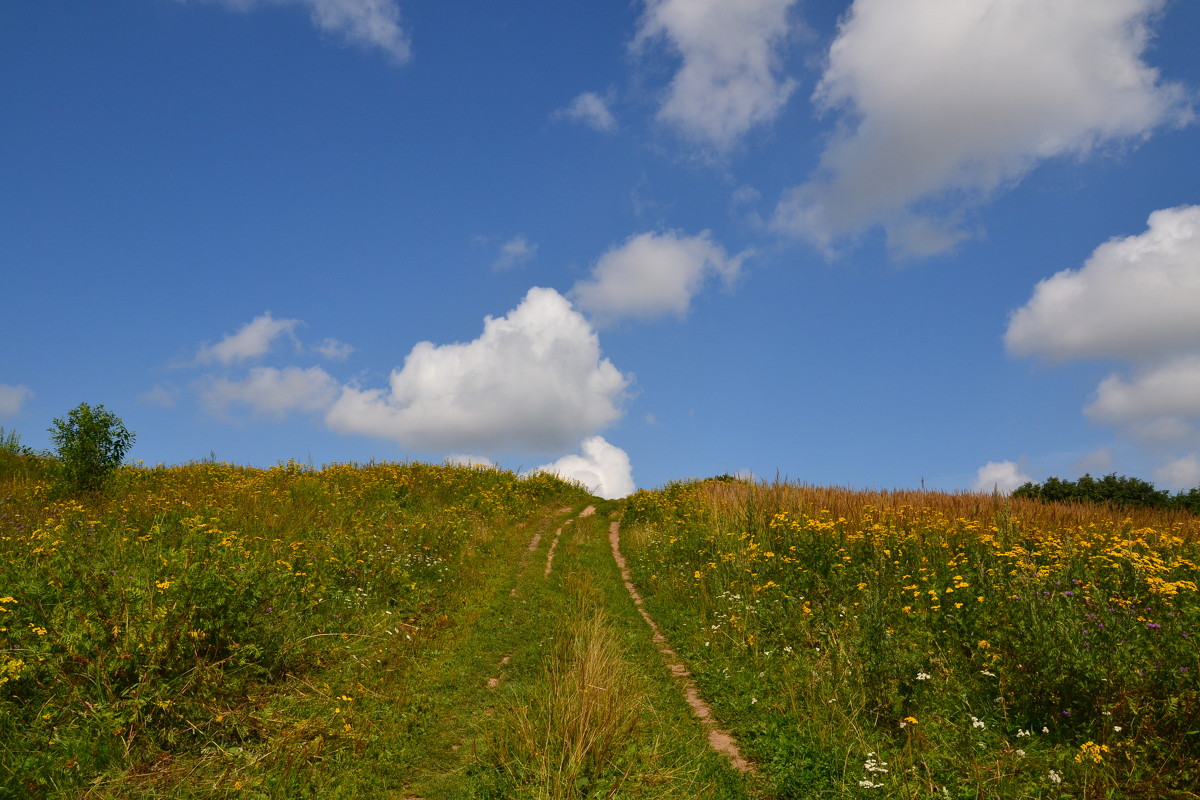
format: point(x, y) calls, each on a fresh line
point(12, 398)
point(1180, 473)
point(272, 392)
point(514, 253)
point(252, 340)
point(161, 396)
point(366, 23)
point(589, 109)
point(334, 350)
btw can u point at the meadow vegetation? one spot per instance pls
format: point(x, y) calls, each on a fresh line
point(396, 630)
point(928, 645)
point(155, 623)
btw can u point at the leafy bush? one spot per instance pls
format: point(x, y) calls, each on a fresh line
point(91, 443)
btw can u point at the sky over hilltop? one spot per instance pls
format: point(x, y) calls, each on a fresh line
point(879, 243)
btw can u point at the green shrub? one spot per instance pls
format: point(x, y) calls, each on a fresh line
point(1119, 491)
point(91, 442)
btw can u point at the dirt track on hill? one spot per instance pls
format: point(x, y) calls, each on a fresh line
point(720, 739)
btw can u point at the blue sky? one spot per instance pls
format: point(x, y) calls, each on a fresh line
point(879, 243)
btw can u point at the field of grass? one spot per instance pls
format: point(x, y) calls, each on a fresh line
point(414, 631)
point(925, 645)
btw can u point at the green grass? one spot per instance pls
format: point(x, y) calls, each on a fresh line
point(214, 631)
point(385, 631)
point(982, 648)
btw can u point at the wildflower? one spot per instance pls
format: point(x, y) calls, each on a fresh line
point(1092, 752)
point(1055, 777)
point(923, 676)
point(976, 722)
point(874, 765)
point(1023, 733)
point(1117, 728)
point(908, 721)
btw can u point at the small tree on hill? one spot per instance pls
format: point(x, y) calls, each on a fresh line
point(91, 443)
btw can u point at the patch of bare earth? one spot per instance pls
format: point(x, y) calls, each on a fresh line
point(719, 738)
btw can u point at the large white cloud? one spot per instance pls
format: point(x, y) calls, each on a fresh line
point(728, 81)
point(1136, 297)
point(945, 101)
point(1136, 300)
point(252, 340)
point(370, 23)
point(534, 381)
point(12, 398)
point(602, 467)
point(654, 274)
point(999, 476)
point(272, 392)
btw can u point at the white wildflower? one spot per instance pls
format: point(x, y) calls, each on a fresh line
point(1055, 777)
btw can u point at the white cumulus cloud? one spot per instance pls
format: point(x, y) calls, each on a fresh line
point(654, 274)
point(946, 101)
point(272, 392)
point(1136, 300)
point(368, 23)
point(602, 467)
point(999, 476)
point(533, 381)
point(1135, 297)
point(12, 397)
point(589, 109)
point(728, 81)
point(251, 341)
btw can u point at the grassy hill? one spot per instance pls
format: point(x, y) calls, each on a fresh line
point(418, 631)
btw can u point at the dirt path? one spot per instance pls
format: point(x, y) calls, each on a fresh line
point(720, 739)
point(485, 705)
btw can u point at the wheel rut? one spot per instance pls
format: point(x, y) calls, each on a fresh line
point(718, 738)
